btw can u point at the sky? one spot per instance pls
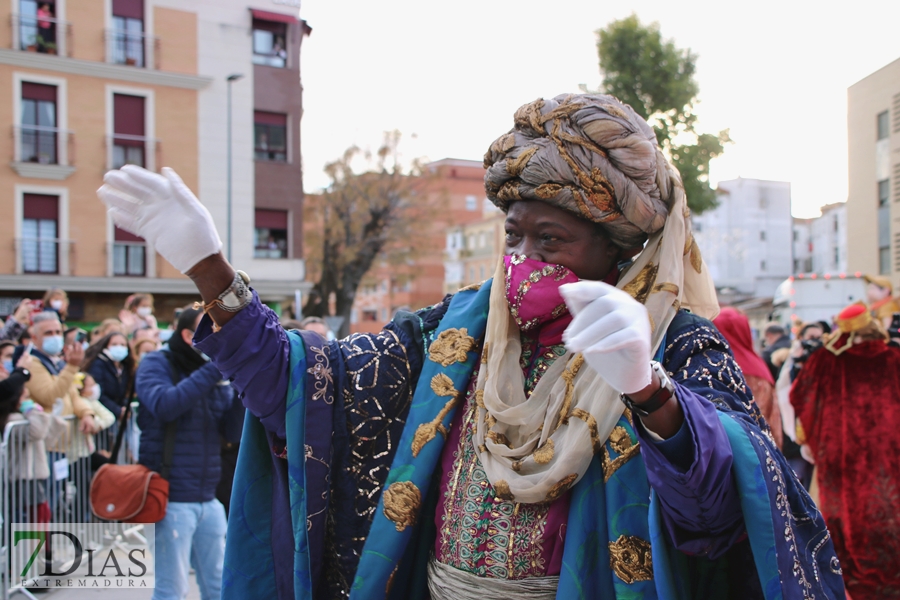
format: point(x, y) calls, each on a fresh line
point(450, 75)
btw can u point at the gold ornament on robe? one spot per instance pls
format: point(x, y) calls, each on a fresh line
point(402, 500)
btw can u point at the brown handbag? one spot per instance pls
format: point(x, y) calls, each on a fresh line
point(132, 493)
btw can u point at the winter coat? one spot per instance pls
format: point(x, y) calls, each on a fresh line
point(48, 383)
point(28, 459)
point(203, 405)
point(113, 384)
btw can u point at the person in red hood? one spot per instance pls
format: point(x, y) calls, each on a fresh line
point(736, 328)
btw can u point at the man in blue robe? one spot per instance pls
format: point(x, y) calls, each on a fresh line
point(546, 435)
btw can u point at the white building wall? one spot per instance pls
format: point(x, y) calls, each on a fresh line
point(829, 240)
point(747, 240)
point(802, 246)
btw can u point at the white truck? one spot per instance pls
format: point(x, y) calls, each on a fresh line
point(816, 296)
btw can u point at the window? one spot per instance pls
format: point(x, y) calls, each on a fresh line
point(370, 314)
point(270, 136)
point(698, 227)
point(129, 254)
point(271, 234)
point(882, 127)
point(796, 265)
point(836, 222)
point(762, 265)
point(40, 230)
point(481, 272)
point(884, 228)
point(269, 43)
point(762, 236)
point(471, 203)
point(129, 141)
point(127, 35)
point(796, 235)
point(37, 26)
point(38, 124)
point(837, 257)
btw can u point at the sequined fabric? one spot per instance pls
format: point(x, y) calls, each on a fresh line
point(477, 531)
point(380, 371)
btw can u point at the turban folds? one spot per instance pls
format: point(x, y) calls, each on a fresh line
point(588, 154)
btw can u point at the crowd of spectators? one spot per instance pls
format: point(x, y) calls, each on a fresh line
point(75, 387)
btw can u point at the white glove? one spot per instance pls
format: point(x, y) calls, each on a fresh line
point(163, 211)
point(612, 330)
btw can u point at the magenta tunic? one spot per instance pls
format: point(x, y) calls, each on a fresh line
point(478, 532)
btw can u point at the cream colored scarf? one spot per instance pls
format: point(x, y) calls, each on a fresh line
point(534, 449)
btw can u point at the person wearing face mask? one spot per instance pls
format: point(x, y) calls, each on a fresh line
point(54, 369)
point(28, 467)
point(111, 363)
point(180, 389)
point(7, 349)
point(529, 437)
point(138, 313)
point(57, 300)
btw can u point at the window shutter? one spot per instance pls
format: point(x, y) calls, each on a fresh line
point(40, 206)
point(271, 219)
point(38, 91)
point(269, 118)
point(120, 235)
point(133, 9)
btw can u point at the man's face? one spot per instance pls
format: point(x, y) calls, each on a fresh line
point(45, 329)
point(553, 235)
point(6, 353)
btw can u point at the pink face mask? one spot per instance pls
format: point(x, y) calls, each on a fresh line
point(532, 290)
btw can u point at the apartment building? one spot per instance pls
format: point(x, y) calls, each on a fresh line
point(873, 212)
point(473, 249)
point(747, 239)
point(455, 188)
point(210, 88)
point(820, 243)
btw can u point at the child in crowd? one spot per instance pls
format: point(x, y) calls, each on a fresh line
point(27, 448)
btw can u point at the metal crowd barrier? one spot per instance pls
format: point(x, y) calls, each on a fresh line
point(61, 498)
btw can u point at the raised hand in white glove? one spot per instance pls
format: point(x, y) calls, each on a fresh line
point(163, 211)
point(612, 330)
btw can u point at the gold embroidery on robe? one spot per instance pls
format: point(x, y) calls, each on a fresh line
point(402, 500)
point(451, 346)
point(621, 442)
point(630, 559)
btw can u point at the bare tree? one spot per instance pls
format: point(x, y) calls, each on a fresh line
point(359, 217)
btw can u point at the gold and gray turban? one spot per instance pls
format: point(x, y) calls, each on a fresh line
point(588, 154)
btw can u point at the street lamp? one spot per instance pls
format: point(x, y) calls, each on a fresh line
point(230, 79)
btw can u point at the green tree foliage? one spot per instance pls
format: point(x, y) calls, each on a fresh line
point(656, 78)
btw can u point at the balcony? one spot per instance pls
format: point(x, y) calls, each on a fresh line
point(43, 256)
point(132, 48)
point(132, 150)
point(41, 34)
point(43, 152)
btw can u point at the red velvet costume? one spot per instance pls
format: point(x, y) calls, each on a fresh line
point(848, 401)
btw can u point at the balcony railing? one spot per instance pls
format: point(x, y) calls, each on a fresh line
point(132, 150)
point(129, 259)
point(45, 256)
point(132, 48)
point(40, 34)
point(43, 145)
